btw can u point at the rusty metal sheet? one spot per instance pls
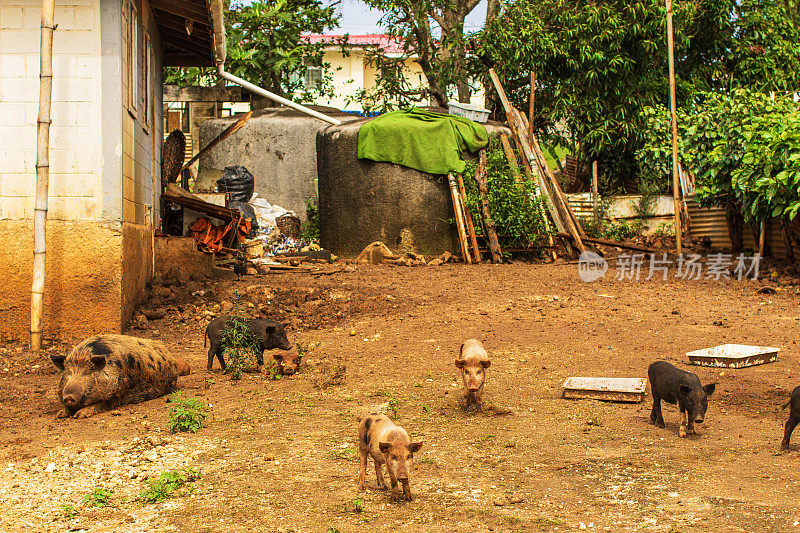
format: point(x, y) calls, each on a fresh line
point(733, 356)
point(607, 389)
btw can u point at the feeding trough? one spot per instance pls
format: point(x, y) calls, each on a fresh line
point(608, 389)
point(733, 356)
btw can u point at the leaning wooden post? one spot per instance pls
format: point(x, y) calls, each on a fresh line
point(480, 177)
point(676, 188)
point(762, 238)
point(42, 170)
point(530, 109)
point(462, 234)
point(476, 253)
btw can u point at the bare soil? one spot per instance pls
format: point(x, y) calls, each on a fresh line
point(280, 455)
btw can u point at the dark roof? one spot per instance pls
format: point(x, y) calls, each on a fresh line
point(182, 48)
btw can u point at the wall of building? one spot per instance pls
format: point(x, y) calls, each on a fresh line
point(85, 235)
point(142, 131)
point(353, 73)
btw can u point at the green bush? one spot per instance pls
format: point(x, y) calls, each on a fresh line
point(187, 414)
point(168, 482)
point(311, 229)
point(517, 212)
point(239, 347)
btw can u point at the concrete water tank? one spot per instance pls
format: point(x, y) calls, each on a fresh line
point(362, 201)
point(277, 145)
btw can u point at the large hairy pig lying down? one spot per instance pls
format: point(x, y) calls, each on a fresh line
point(106, 371)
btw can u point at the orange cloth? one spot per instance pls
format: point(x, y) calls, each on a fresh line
point(213, 238)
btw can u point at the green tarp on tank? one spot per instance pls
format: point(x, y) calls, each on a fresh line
point(423, 140)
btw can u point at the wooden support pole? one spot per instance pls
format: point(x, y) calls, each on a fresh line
point(480, 177)
point(595, 188)
point(512, 162)
point(462, 235)
point(476, 253)
point(516, 128)
point(42, 170)
point(762, 237)
point(530, 109)
point(510, 156)
point(676, 188)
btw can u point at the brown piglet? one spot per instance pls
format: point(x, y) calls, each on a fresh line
point(388, 444)
point(473, 361)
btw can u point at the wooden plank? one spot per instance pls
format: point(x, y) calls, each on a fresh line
point(195, 93)
point(182, 197)
point(480, 177)
point(630, 397)
point(462, 234)
point(476, 254)
point(617, 244)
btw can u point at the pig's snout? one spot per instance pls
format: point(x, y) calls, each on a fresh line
point(698, 420)
point(71, 396)
point(472, 386)
point(289, 370)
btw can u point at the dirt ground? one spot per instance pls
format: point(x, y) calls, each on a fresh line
point(280, 455)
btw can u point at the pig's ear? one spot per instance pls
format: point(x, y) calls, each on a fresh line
point(414, 447)
point(99, 361)
point(269, 329)
point(486, 363)
point(710, 388)
point(684, 390)
point(277, 356)
point(58, 361)
point(459, 363)
point(385, 446)
point(461, 349)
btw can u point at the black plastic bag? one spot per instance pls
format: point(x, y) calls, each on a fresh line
point(237, 183)
point(247, 211)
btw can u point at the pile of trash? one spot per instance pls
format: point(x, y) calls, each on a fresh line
point(265, 237)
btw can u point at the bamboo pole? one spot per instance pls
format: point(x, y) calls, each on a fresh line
point(673, 119)
point(462, 235)
point(530, 109)
point(595, 188)
point(512, 162)
point(516, 128)
point(510, 156)
point(42, 170)
point(476, 253)
point(762, 237)
point(480, 177)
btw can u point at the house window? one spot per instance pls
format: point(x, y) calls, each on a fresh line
point(312, 76)
point(147, 77)
point(132, 59)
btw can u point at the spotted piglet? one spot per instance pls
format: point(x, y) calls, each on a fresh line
point(472, 362)
point(388, 444)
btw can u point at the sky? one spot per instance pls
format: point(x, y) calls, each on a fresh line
point(358, 18)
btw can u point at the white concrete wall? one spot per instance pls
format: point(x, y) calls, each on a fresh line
point(351, 74)
point(75, 162)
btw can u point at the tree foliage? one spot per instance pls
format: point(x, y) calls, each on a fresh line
point(266, 47)
point(431, 32)
point(743, 147)
point(599, 65)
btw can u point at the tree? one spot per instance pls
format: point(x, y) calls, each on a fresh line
point(597, 64)
point(266, 47)
point(443, 57)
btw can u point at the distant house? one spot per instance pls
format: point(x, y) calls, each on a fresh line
point(105, 153)
point(354, 72)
